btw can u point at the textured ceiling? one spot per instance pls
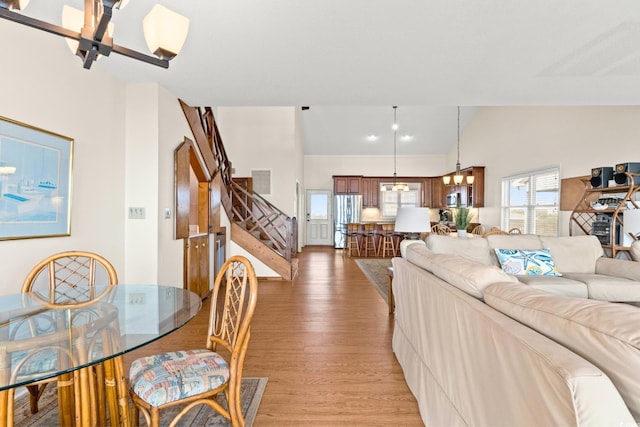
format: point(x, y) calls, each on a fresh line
point(350, 61)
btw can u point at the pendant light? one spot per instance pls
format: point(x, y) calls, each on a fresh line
point(457, 178)
point(395, 186)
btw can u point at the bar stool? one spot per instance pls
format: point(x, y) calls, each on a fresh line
point(387, 241)
point(368, 236)
point(353, 238)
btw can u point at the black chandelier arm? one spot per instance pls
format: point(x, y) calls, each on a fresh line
point(88, 55)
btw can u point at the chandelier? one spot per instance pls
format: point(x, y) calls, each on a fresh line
point(458, 178)
point(89, 31)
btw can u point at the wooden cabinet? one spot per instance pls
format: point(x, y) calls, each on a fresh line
point(196, 263)
point(433, 193)
point(370, 192)
point(347, 184)
point(606, 224)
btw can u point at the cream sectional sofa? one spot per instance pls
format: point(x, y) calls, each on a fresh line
point(479, 348)
point(586, 272)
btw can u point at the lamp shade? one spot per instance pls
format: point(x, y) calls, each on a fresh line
point(165, 31)
point(413, 220)
point(446, 179)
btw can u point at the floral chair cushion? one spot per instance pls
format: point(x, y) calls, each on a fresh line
point(168, 377)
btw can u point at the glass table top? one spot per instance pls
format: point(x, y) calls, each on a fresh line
point(39, 341)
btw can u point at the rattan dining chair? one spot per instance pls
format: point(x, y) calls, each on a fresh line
point(494, 230)
point(196, 377)
point(441, 229)
point(478, 230)
point(71, 278)
point(515, 230)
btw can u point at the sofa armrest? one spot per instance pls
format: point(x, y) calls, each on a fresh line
point(618, 268)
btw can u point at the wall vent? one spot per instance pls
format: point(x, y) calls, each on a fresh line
point(261, 181)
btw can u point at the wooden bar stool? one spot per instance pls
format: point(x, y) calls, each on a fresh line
point(353, 238)
point(387, 246)
point(368, 238)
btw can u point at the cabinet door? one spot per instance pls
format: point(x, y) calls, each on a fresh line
point(354, 185)
point(370, 192)
point(434, 193)
point(347, 184)
point(197, 265)
point(340, 185)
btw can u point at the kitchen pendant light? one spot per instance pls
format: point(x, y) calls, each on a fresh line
point(395, 186)
point(457, 178)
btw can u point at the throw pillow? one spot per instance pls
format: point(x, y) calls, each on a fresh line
point(527, 262)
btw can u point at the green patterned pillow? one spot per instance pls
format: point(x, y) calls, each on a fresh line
point(527, 262)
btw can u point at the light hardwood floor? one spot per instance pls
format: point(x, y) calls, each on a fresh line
point(324, 341)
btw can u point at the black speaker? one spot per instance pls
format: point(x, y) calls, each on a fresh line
point(600, 176)
point(620, 173)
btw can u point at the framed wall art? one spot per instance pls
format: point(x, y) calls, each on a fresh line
point(35, 182)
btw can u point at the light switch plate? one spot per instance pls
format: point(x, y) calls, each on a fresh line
point(136, 213)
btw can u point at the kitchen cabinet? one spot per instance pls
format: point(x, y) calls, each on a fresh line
point(197, 264)
point(347, 184)
point(370, 192)
point(433, 193)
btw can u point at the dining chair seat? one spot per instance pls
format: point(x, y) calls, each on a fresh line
point(176, 375)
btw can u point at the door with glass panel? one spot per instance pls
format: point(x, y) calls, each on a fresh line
point(319, 222)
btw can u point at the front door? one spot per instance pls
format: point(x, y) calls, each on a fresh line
point(319, 218)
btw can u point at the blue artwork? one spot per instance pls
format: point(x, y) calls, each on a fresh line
point(35, 182)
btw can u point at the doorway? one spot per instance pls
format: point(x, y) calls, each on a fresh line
point(319, 218)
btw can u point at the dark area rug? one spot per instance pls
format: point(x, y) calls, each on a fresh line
point(376, 271)
point(252, 391)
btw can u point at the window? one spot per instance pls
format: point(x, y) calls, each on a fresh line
point(390, 201)
point(530, 202)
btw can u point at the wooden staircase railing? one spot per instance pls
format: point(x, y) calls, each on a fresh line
point(257, 225)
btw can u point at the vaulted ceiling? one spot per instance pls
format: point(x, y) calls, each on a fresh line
point(350, 61)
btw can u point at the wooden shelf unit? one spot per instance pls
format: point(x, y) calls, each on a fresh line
point(583, 215)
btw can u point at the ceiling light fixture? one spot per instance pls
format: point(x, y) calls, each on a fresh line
point(457, 178)
point(164, 30)
point(395, 186)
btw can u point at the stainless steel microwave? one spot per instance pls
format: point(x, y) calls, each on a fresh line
point(452, 200)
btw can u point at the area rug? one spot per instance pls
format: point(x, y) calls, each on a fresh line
point(376, 271)
point(252, 391)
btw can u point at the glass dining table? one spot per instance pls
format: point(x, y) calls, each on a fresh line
point(80, 340)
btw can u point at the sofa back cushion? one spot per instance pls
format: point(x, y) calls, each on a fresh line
point(604, 333)
point(575, 254)
point(469, 276)
point(473, 248)
point(511, 241)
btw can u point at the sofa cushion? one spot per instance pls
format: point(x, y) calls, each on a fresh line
point(420, 256)
point(619, 268)
point(473, 248)
point(635, 250)
point(512, 241)
point(609, 288)
point(557, 285)
point(528, 262)
point(574, 254)
point(467, 275)
point(606, 334)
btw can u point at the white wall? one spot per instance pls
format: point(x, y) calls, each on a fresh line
point(511, 140)
point(124, 137)
point(155, 126)
point(53, 92)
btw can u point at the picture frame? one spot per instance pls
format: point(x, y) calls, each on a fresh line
point(35, 182)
